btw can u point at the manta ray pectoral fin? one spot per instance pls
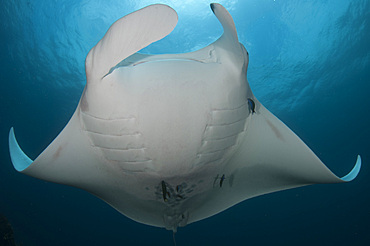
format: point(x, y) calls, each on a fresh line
point(271, 157)
point(69, 159)
point(275, 151)
point(128, 35)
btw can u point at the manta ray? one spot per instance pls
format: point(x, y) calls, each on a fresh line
point(172, 139)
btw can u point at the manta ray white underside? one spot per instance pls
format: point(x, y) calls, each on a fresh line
point(168, 140)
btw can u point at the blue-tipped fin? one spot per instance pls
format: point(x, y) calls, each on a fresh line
point(19, 159)
point(355, 170)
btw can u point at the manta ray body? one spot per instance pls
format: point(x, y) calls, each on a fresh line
point(168, 140)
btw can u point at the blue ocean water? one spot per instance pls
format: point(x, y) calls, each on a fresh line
point(309, 65)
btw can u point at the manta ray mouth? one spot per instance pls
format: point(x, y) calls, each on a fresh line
point(130, 63)
point(208, 55)
point(163, 60)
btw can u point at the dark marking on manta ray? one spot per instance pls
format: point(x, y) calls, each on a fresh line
point(57, 152)
point(222, 180)
point(215, 180)
point(173, 195)
point(164, 191)
point(178, 188)
point(275, 130)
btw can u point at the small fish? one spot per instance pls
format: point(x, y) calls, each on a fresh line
point(252, 105)
point(222, 180)
point(164, 191)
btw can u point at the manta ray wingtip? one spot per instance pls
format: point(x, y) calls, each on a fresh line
point(19, 159)
point(354, 172)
